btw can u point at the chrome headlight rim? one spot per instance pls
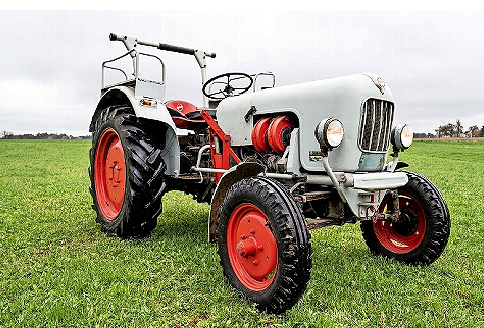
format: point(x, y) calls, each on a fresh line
point(402, 137)
point(329, 133)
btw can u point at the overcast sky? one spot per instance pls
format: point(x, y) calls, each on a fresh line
point(50, 61)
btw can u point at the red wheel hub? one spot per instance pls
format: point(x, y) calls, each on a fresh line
point(404, 236)
point(252, 247)
point(109, 174)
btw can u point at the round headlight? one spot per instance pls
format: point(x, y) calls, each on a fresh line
point(329, 133)
point(402, 136)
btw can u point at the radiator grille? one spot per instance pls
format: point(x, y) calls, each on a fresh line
point(375, 125)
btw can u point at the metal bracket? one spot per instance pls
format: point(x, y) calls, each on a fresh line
point(251, 112)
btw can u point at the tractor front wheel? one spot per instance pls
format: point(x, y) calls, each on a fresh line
point(264, 244)
point(421, 233)
point(127, 173)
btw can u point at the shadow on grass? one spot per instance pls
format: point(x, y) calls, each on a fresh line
point(168, 227)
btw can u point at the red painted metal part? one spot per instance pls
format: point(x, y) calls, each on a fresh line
point(259, 135)
point(220, 161)
point(109, 174)
point(252, 247)
point(181, 106)
point(390, 237)
point(275, 133)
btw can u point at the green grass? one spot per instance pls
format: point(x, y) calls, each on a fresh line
point(58, 270)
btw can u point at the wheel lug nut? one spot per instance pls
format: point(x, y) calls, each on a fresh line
point(260, 247)
point(243, 236)
point(252, 230)
point(255, 262)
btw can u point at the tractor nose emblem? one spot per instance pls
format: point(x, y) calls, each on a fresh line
point(380, 84)
point(179, 107)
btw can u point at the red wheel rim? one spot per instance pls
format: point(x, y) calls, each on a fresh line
point(278, 128)
point(109, 174)
point(393, 237)
point(252, 247)
point(259, 135)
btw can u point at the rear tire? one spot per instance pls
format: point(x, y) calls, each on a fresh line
point(423, 231)
point(264, 244)
point(126, 172)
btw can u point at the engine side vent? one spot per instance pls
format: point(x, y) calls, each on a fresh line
point(375, 125)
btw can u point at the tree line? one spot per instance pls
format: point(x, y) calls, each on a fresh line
point(445, 130)
point(457, 130)
point(44, 135)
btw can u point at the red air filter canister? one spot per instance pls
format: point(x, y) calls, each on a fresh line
point(259, 135)
point(278, 133)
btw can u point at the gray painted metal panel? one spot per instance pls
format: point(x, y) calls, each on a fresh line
point(311, 102)
point(171, 154)
point(380, 180)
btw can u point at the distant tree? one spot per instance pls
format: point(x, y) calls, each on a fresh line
point(43, 135)
point(458, 128)
point(419, 135)
point(438, 131)
point(7, 134)
point(446, 130)
point(473, 131)
point(423, 135)
point(481, 133)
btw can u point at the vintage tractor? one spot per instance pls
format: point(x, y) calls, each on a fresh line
point(272, 162)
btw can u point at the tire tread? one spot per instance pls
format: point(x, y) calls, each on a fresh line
point(145, 173)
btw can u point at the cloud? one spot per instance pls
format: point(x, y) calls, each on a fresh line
point(432, 60)
point(32, 107)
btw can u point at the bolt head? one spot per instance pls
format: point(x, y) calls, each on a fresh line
point(252, 230)
point(260, 247)
point(255, 262)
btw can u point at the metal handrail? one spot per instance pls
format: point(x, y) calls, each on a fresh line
point(163, 69)
point(112, 60)
point(118, 69)
point(267, 74)
point(135, 56)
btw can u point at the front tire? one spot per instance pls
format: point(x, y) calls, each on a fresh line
point(422, 232)
point(126, 172)
point(264, 244)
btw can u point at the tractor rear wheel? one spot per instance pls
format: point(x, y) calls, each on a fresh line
point(127, 173)
point(264, 244)
point(421, 233)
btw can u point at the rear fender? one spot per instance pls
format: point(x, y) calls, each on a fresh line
point(122, 95)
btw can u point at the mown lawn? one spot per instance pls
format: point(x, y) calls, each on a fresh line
point(58, 270)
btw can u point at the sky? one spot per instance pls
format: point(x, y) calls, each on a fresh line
point(433, 61)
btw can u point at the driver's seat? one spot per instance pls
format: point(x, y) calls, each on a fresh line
point(186, 115)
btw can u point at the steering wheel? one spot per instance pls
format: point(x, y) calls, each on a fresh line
point(226, 89)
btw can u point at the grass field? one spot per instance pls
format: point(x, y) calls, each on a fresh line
point(58, 270)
